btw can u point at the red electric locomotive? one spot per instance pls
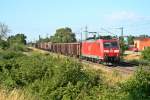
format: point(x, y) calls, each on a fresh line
point(101, 50)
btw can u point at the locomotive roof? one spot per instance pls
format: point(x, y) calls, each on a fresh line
point(102, 39)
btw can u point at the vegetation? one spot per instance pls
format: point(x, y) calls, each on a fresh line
point(47, 39)
point(15, 95)
point(131, 40)
point(62, 35)
point(17, 42)
point(3, 31)
point(4, 44)
point(138, 88)
point(17, 39)
point(144, 36)
point(123, 46)
point(48, 77)
point(146, 54)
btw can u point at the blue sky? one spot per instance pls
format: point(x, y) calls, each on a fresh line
point(43, 17)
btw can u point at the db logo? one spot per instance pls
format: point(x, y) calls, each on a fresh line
point(89, 48)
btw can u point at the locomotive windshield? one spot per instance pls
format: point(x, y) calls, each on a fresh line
point(110, 44)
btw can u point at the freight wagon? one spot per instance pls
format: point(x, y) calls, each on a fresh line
point(68, 49)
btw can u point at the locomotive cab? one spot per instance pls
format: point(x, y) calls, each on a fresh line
point(111, 51)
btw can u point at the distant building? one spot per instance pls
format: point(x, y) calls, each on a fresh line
point(141, 43)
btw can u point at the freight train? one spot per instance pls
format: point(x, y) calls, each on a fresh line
point(99, 50)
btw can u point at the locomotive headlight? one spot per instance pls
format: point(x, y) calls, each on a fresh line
point(106, 51)
point(116, 51)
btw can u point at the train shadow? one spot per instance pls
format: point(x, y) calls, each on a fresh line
point(122, 64)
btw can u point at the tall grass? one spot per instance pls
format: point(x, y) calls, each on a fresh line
point(15, 94)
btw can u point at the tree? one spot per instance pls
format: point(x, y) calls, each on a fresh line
point(3, 31)
point(44, 40)
point(17, 42)
point(123, 46)
point(144, 36)
point(131, 40)
point(63, 35)
point(17, 39)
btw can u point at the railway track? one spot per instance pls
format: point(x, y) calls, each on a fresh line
point(124, 68)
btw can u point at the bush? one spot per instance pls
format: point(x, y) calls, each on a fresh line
point(140, 62)
point(4, 44)
point(18, 47)
point(55, 78)
point(146, 54)
point(10, 54)
point(138, 88)
point(49, 77)
point(64, 79)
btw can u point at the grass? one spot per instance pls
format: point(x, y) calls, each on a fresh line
point(15, 94)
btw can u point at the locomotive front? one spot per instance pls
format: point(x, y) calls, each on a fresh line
point(111, 51)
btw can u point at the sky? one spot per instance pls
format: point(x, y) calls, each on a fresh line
point(43, 17)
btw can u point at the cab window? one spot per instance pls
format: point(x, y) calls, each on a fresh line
point(110, 45)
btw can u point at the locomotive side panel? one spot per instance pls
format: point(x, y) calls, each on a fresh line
point(92, 49)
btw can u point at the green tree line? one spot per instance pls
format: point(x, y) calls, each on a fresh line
point(62, 35)
point(14, 41)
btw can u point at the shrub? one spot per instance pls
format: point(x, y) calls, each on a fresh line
point(66, 79)
point(138, 88)
point(146, 54)
point(4, 44)
point(18, 47)
point(10, 54)
point(55, 78)
point(49, 77)
point(141, 62)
